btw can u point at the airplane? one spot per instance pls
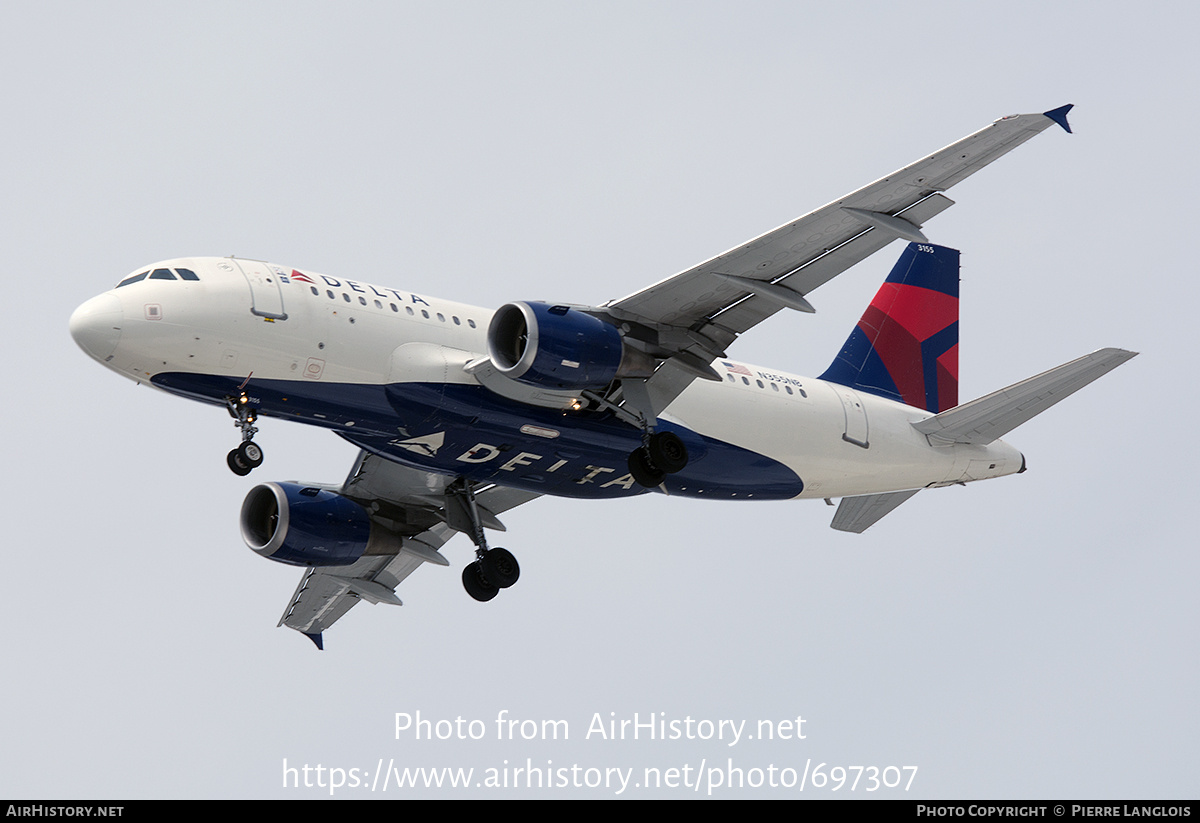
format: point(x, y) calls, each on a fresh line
point(462, 413)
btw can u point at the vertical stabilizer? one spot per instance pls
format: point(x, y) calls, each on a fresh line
point(905, 347)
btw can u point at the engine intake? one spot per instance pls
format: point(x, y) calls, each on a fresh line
point(555, 347)
point(303, 525)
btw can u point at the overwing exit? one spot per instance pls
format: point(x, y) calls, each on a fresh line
point(462, 413)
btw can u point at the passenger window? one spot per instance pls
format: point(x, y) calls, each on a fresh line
point(457, 322)
point(362, 300)
point(394, 307)
point(133, 279)
point(162, 274)
point(425, 314)
point(315, 291)
point(346, 297)
point(408, 309)
point(330, 293)
point(471, 323)
point(186, 274)
point(774, 387)
point(441, 317)
point(378, 305)
point(788, 389)
point(746, 380)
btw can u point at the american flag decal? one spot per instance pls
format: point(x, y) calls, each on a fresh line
point(735, 368)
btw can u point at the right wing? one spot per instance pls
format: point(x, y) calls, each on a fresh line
point(690, 319)
point(408, 502)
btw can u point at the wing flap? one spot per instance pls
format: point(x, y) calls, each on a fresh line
point(318, 602)
point(748, 313)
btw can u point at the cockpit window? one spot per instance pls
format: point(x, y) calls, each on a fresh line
point(186, 274)
point(162, 274)
point(133, 279)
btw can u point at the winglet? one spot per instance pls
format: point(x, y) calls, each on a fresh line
point(316, 639)
point(1059, 116)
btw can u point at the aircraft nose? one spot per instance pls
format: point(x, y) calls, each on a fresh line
point(96, 325)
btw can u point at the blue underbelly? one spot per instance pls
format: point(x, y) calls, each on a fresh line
point(469, 431)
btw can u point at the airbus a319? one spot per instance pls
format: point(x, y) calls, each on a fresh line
point(461, 413)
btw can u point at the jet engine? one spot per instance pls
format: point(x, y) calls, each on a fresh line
point(560, 347)
point(304, 525)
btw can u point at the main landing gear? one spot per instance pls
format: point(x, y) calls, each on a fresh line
point(248, 456)
point(660, 454)
point(493, 569)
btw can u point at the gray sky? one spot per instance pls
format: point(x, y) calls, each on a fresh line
point(1030, 637)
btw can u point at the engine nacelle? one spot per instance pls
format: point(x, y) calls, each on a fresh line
point(304, 526)
point(555, 347)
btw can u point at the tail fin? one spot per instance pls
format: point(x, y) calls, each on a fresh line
point(905, 347)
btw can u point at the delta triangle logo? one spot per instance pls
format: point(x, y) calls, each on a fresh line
point(427, 444)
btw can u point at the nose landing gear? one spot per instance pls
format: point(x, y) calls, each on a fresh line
point(248, 456)
point(245, 458)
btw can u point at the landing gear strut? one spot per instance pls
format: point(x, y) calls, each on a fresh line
point(249, 455)
point(493, 569)
point(661, 453)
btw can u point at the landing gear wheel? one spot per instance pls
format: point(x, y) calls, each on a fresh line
point(250, 454)
point(476, 586)
point(643, 473)
point(247, 456)
point(667, 452)
point(500, 567)
point(236, 464)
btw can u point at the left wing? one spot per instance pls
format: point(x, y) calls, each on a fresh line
point(690, 319)
point(407, 502)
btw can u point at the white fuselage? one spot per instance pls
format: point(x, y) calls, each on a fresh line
point(321, 350)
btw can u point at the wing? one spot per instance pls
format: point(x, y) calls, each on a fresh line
point(409, 503)
point(690, 319)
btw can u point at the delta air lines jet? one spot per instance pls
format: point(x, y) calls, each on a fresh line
point(462, 413)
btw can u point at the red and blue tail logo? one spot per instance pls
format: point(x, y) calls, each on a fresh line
point(905, 347)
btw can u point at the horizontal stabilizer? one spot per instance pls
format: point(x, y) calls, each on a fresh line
point(857, 514)
point(995, 415)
